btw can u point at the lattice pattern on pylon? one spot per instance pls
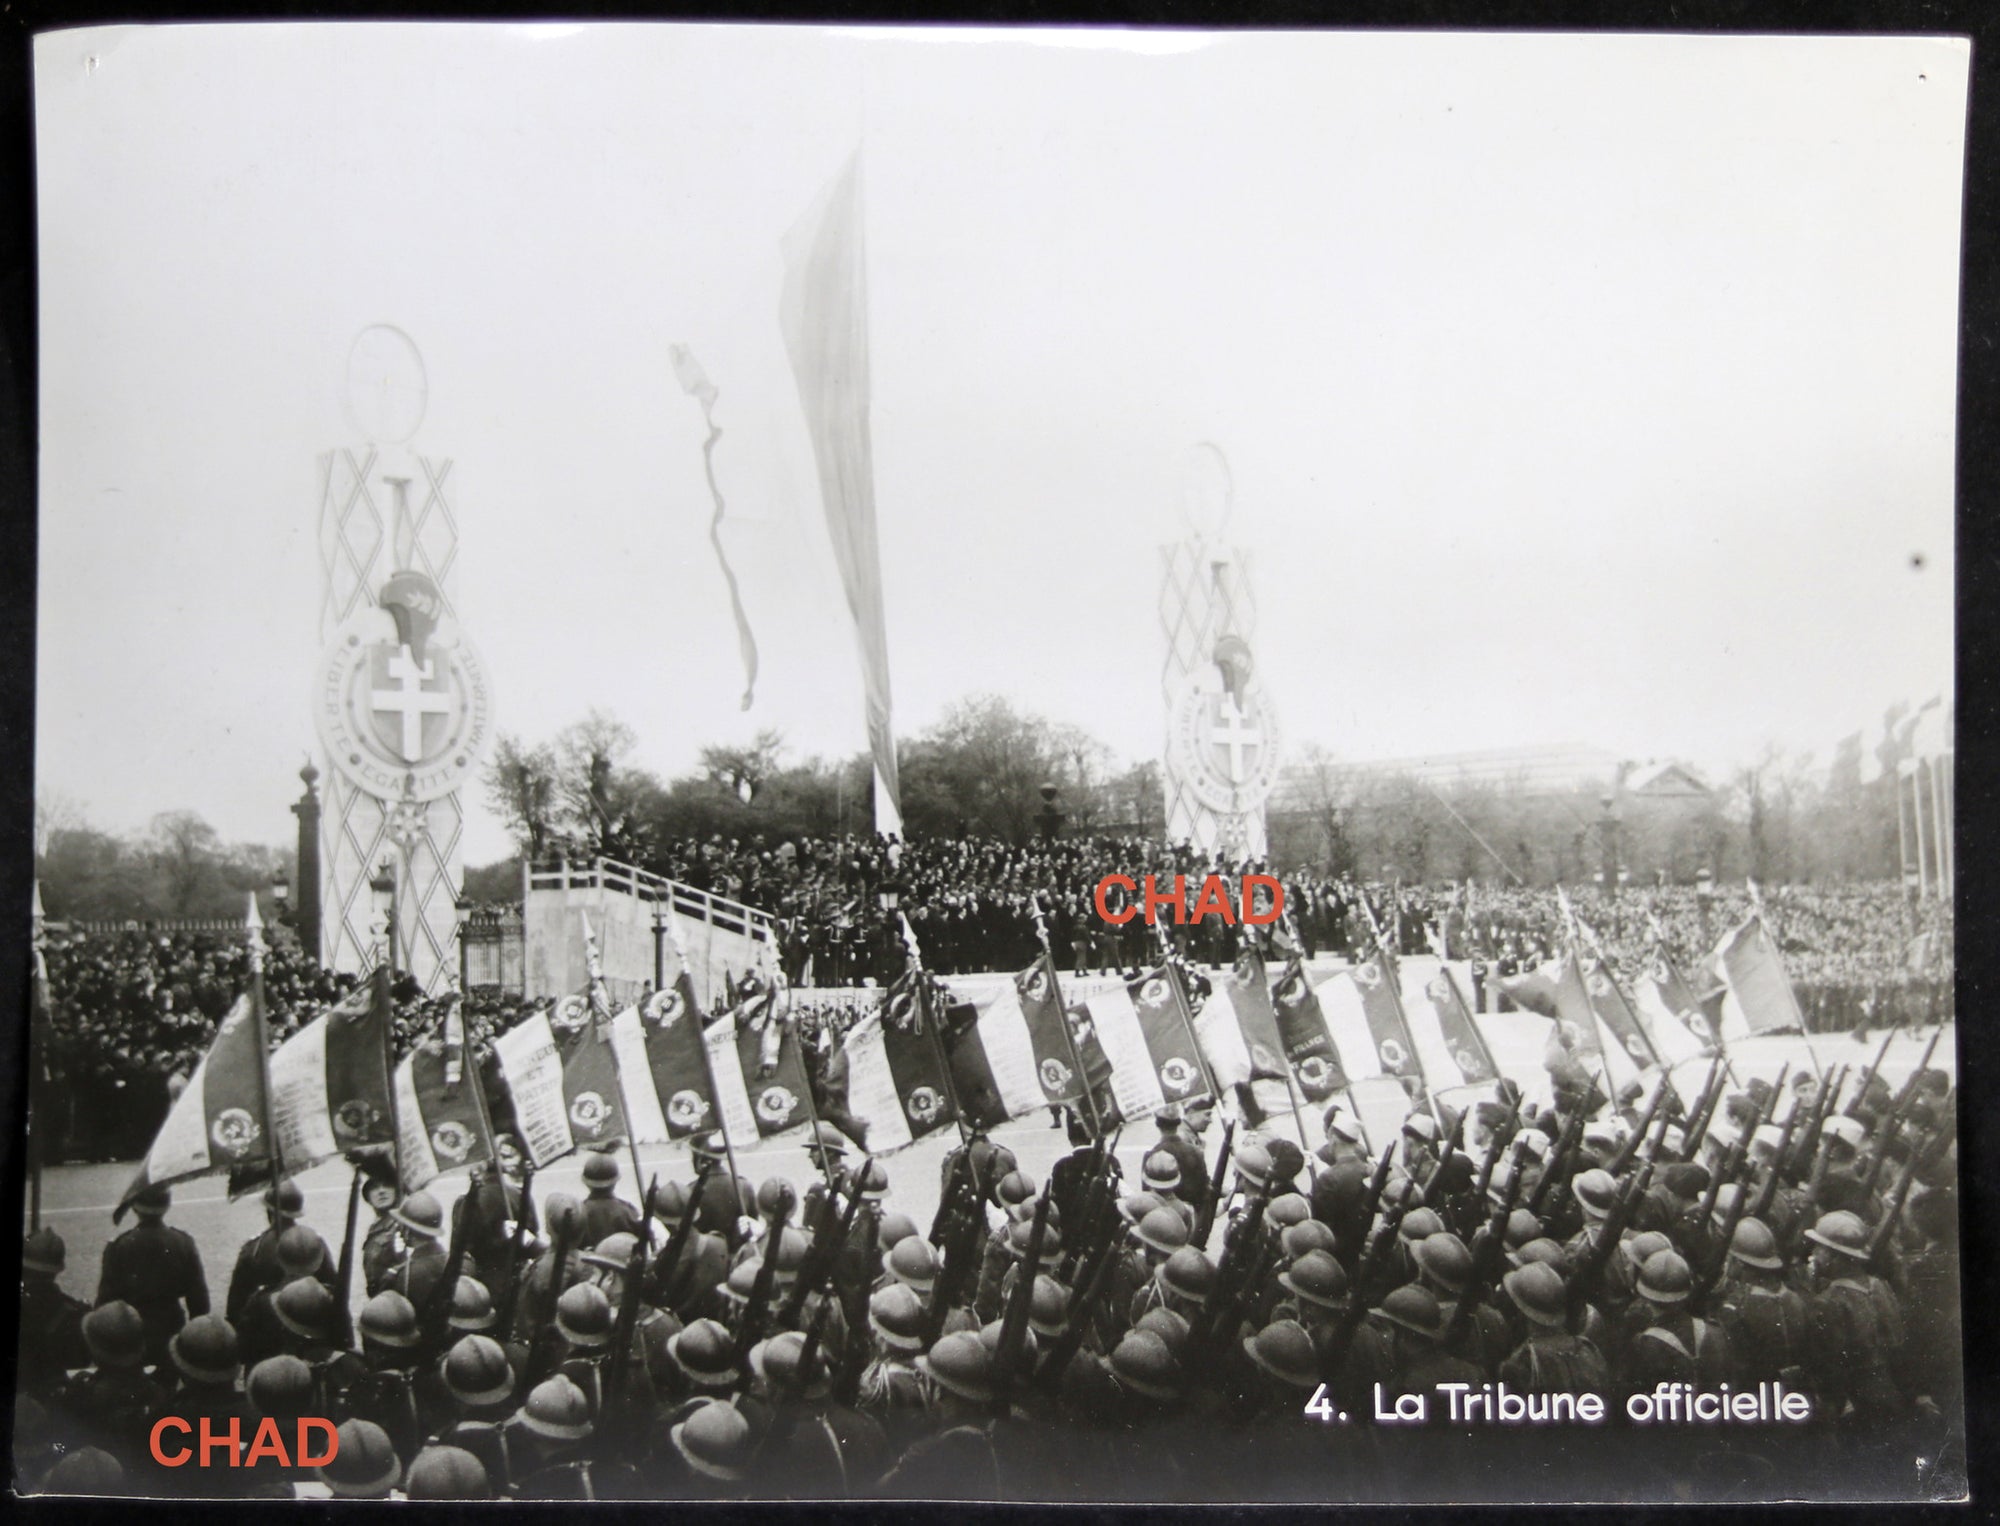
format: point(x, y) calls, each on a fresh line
point(359, 541)
point(1204, 595)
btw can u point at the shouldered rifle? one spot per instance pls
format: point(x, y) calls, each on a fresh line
point(1449, 1149)
point(545, 1327)
point(1710, 1276)
point(1095, 1185)
point(630, 1282)
point(1605, 1244)
point(1014, 1322)
point(1638, 1135)
point(767, 1272)
point(829, 1236)
point(668, 1265)
point(1489, 1251)
point(343, 1278)
point(1909, 1087)
point(434, 1318)
point(1204, 1222)
point(1769, 1187)
point(1875, 1069)
point(1806, 1150)
point(815, 1334)
point(1893, 1209)
point(1379, 1180)
point(1380, 1244)
point(1732, 1164)
point(1819, 1170)
point(526, 1225)
point(847, 1378)
point(1704, 1109)
point(1076, 1324)
point(1770, 1108)
point(1559, 1162)
point(964, 1232)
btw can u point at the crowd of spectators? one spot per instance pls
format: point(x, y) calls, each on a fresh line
point(132, 1012)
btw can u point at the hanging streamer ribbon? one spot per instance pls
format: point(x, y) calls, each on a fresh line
point(694, 381)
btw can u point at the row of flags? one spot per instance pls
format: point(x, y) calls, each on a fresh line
point(931, 1055)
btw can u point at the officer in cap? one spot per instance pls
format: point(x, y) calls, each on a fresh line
point(51, 1321)
point(604, 1212)
point(257, 1262)
point(157, 1270)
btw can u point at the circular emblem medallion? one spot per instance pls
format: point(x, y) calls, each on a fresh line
point(587, 1113)
point(234, 1131)
point(1466, 1061)
point(1393, 1058)
point(775, 1104)
point(924, 1105)
point(354, 1119)
point(1153, 993)
point(1055, 1077)
point(402, 720)
point(664, 1008)
point(1368, 973)
point(686, 1110)
point(451, 1140)
point(1176, 1076)
point(1226, 748)
point(1315, 1076)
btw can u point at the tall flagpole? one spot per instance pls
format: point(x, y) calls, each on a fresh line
point(1392, 979)
point(702, 1025)
point(1764, 922)
point(599, 1015)
point(1583, 930)
point(253, 924)
point(1062, 1015)
point(920, 993)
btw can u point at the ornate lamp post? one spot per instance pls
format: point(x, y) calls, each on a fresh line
point(382, 904)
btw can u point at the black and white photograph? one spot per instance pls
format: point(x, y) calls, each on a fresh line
point(839, 763)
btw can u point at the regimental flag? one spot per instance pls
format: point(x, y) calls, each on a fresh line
point(1237, 1028)
point(1620, 1020)
point(330, 1080)
point(441, 1118)
point(1128, 1021)
point(1534, 990)
point(765, 1055)
point(661, 1073)
point(1388, 1029)
point(996, 1069)
point(896, 1088)
point(1459, 1057)
point(1056, 1053)
point(563, 1078)
point(1684, 1026)
point(221, 1122)
point(1758, 997)
point(1306, 1039)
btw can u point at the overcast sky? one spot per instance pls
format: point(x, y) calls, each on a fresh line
point(1592, 390)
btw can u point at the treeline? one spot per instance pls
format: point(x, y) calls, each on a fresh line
point(179, 867)
point(980, 772)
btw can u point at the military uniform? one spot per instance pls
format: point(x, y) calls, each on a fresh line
point(51, 1335)
point(257, 1266)
point(1856, 1338)
point(156, 1269)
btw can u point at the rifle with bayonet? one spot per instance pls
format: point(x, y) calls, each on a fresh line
point(1768, 1189)
point(1892, 1210)
point(434, 1318)
point(1560, 1160)
point(1704, 1111)
point(1875, 1069)
point(631, 1296)
point(1630, 1147)
point(964, 1230)
point(828, 1237)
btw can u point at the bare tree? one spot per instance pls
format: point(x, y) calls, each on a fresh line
point(184, 850)
point(743, 771)
point(521, 791)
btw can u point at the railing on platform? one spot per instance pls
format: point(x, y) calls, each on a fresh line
point(643, 885)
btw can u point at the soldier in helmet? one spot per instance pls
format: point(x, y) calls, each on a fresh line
point(1187, 1155)
point(365, 1464)
point(1444, 1267)
point(447, 1473)
point(1417, 1327)
point(281, 1389)
point(113, 1402)
point(157, 1270)
point(51, 1321)
point(1765, 1317)
point(208, 1364)
point(724, 1202)
point(1855, 1324)
point(484, 1387)
point(549, 1442)
point(1549, 1359)
point(298, 1253)
point(604, 1212)
point(711, 1448)
point(385, 1393)
point(955, 1460)
point(257, 1264)
point(892, 1389)
point(687, 1287)
point(418, 1263)
point(1671, 1343)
